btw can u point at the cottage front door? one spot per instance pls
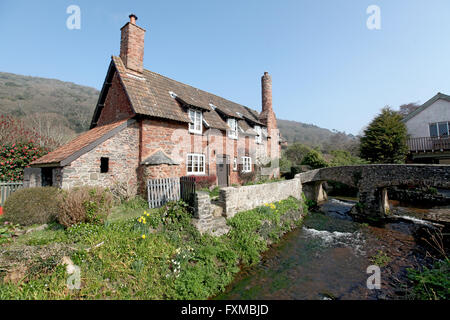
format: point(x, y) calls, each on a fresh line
point(222, 171)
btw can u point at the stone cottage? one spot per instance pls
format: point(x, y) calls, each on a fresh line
point(147, 126)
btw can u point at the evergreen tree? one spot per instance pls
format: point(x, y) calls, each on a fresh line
point(384, 140)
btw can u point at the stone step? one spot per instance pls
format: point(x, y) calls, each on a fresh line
point(219, 227)
point(216, 210)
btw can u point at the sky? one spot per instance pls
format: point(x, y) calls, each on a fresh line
point(328, 68)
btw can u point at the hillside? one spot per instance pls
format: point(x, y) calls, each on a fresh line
point(73, 105)
point(22, 95)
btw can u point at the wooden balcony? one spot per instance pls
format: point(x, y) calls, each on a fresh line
point(429, 144)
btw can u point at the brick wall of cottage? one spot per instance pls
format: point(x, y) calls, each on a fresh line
point(176, 141)
point(117, 106)
point(122, 151)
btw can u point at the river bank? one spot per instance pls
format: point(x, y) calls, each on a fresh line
point(328, 258)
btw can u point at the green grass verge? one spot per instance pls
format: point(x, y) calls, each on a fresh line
point(160, 255)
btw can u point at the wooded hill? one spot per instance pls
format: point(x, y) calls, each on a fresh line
point(72, 106)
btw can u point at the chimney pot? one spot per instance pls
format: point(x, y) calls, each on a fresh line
point(133, 18)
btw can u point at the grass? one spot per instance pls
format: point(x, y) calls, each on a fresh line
point(432, 283)
point(159, 255)
point(262, 181)
point(213, 193)
point(380, 259)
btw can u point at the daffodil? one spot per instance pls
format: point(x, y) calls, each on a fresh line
point(143, 236)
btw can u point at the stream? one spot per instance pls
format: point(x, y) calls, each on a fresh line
point(327, 258)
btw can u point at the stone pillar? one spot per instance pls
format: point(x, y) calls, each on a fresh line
point(315, 191)
point(373, 203)
point(384, 202)
point(227, 201)
point(203, 217)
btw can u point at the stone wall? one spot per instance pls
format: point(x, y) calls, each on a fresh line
point(121, 149)
point(32, 177)
point(237, 199)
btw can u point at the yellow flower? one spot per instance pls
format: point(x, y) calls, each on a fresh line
point(143, 236)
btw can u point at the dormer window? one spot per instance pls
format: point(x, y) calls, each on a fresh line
point(258, 138)
point(195, 126)
point(233, 131)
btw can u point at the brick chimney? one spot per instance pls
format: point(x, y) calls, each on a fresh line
point(267, 116)
point(132, 45)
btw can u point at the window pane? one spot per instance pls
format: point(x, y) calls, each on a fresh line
point(433, 130)
point(443, 130)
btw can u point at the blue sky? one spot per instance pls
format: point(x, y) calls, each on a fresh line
point(327, 67)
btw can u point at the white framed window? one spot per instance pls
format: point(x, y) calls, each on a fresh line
point(246, 164)
point(258, 138)
point(195, 163)
point(233, 132)
point(195, 126)
point(235, 164)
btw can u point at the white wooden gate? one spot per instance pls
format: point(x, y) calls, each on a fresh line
point(161, 191)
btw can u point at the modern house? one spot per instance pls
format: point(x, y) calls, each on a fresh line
point(147, 126)
point(428, 129)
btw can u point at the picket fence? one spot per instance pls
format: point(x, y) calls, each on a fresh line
point(6, 189)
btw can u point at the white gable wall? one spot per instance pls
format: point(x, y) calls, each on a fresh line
point(418, 126)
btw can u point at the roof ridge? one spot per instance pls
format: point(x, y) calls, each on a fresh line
point(425, 105)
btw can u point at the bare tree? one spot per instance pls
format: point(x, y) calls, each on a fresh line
point(50, 125)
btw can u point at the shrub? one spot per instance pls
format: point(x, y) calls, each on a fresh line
point(205, 181)
point(84, 204)
point(247, 177)
point(32, 206)
point(17, 156)
point(314, 159)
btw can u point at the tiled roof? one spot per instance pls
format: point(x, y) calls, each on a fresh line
point(150, 94)
point(81, 144)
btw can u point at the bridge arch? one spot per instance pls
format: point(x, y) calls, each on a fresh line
point(372, 182)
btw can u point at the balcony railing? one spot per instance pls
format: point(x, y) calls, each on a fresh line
point(425, 144)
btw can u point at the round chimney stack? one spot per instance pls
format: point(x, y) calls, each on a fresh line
point(133, 18)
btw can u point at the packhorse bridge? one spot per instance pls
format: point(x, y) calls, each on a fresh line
point(372, 182)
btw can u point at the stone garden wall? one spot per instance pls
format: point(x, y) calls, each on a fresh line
point(237, 199)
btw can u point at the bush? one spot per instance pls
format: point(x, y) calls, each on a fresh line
point(205, 181)
point(247, 177)
point(15, 157)
point(314, 159)
point(32, 206)
point(84, 204)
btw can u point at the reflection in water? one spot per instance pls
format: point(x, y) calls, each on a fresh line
point(327, 259)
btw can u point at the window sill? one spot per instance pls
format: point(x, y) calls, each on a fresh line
point(196, 174)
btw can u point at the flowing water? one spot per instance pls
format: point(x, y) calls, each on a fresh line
point(327, 258)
